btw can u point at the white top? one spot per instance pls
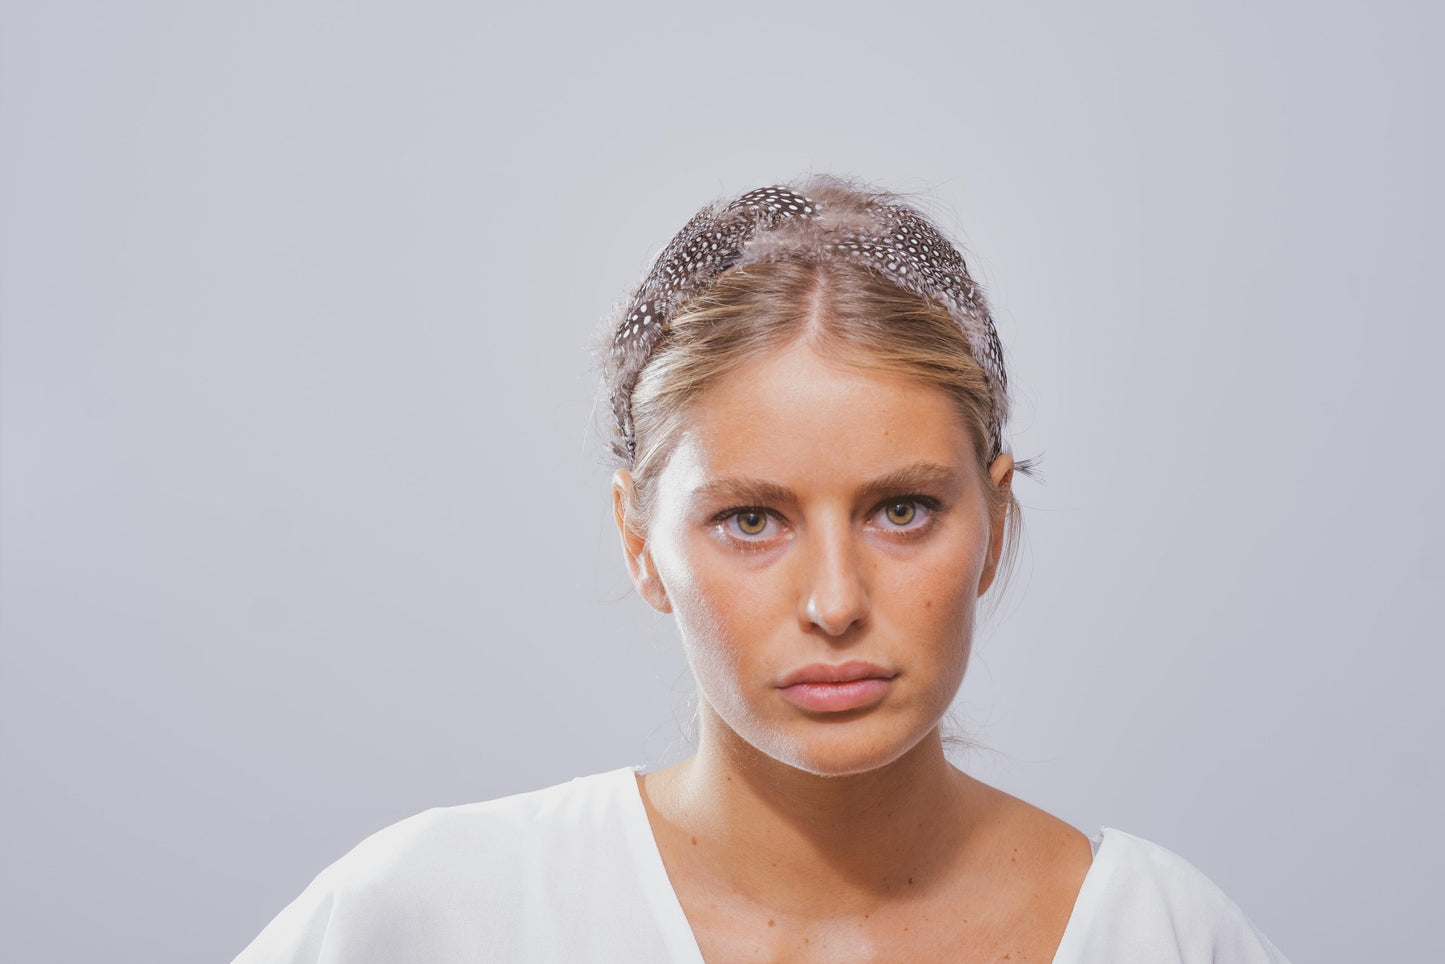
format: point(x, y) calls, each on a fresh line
point(572, 873)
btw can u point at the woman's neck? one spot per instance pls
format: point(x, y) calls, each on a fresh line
point(817, 846)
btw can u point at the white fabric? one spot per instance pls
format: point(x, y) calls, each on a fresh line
point(572, 873)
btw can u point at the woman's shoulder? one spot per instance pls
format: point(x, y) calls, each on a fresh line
point(512, 826)
point(1142, 901)
point(1138, 871)
point(462, 876)
point(515, 822)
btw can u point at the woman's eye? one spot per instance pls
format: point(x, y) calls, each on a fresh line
point(745, 524)
point(907, 514)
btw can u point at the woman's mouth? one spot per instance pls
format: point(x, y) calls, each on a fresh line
point(836, 687)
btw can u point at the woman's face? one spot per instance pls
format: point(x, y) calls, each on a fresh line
point(822, 535)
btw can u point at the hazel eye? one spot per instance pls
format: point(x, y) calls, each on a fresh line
point(749, 527)
point(910, 515)
point(752, 522)
point(900, 513)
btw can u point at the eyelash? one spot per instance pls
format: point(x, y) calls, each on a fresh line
point(753, 543)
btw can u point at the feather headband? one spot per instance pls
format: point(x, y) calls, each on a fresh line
point(829, 223)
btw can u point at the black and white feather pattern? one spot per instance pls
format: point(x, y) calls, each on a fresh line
point(821, 220)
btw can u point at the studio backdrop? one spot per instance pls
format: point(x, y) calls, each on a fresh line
point(306, 522)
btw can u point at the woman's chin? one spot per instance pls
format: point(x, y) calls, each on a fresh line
point(824, 745)
point(843, 753)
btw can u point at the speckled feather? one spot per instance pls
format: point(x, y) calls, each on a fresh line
point(829, 222)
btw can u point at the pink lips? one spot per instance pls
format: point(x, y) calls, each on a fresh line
point(836, 687)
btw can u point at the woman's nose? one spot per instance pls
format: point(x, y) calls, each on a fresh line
point(835, 597)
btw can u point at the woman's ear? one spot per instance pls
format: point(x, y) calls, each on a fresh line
point(634, 542)
point(1001, 475)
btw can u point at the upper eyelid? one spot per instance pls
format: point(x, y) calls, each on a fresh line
point(931, 503)
point(738, 510)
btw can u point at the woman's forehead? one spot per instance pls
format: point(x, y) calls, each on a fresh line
point(796, 394)
point(796, 420)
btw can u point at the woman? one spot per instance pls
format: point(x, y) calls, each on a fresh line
point(809, 400)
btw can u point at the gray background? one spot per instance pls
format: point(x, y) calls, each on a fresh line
point(305, 529)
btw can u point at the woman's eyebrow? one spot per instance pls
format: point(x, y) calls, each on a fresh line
point(922, 475)
point(745, 492)
point(912, 478)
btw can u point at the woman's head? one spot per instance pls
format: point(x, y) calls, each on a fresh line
point(810, 363)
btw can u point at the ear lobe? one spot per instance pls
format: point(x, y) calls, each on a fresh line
point(634, 543)
point(650, 587)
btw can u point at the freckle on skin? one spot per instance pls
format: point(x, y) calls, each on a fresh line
point(694, 841)
point(772, 923)
point(910, 881)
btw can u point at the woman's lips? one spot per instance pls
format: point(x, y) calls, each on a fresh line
point(836, 687)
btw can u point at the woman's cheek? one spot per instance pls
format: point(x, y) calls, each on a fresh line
point(726, 610)
point(719, 613)
point(940, 603)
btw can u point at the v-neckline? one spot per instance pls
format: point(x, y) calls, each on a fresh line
point(678, 931)
point(657, 884)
